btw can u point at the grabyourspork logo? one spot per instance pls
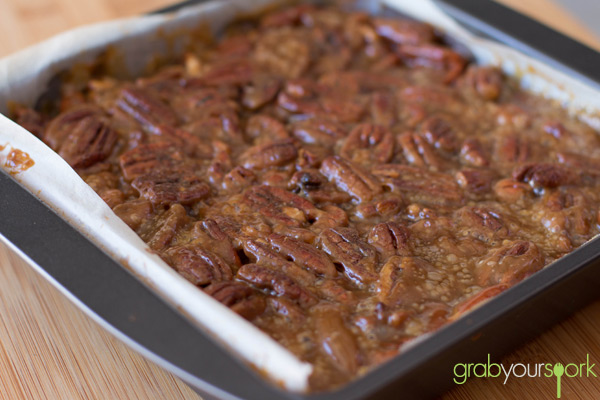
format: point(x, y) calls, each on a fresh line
point(462, 372)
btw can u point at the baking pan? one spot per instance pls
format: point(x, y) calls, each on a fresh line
point(132, 312)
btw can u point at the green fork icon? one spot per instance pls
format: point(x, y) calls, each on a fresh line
point(559, 370)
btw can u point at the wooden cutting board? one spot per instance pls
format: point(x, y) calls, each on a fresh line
point(51, 350)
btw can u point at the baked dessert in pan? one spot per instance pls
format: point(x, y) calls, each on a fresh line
point(347, 183)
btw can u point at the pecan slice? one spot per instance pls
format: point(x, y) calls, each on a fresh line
point(168, 188)
point(91, 140)
point(510, 264)
point(345, 246)
point(350, 179)
point(269, 155)
point(242, 299)
point(419, 185)
point(276, 281)
point(368, 142)
point(199, 266)
point(390, 238)
point(303, 254)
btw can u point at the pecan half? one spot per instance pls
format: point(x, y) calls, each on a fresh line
point(261, 91)
point(134, 213)
point(350, 179)
point(146, 108)
point(288, 16)
point(276, 281)
point(419, 185)
point(487, 82)
point(336, 341)
point(288, 309)
point(269, 155)
point(303, 254)
point(147, 158)
point(439, 132)
point(241, 298)
point(419, 152)
point(390, 238)
point(345, 246)
point(61, 127)
point(472, 153)
point(283, 52)
point(383, 109)
point(160, 231)
point(481, 223)
point(91, 140)
point(319, 131)
point(280, 206)
point(404, 31)
point(513, 149)
point(168, 188)
point(510, 264)
point(476, 181)
point(265, 129)
point(238, 178)
point(209, 235)
point(544, 175)
point(510, 190)
point(199, 266)
point(403, 280)
point(368, 142)
point(434, 56)
point(580, 162)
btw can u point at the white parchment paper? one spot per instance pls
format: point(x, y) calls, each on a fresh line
point(25, 75)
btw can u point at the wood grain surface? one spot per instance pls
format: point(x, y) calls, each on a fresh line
point(51, 350)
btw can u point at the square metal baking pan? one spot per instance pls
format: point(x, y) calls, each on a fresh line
point(132, 312)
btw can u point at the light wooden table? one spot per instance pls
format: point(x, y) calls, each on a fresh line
point(51, 350)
